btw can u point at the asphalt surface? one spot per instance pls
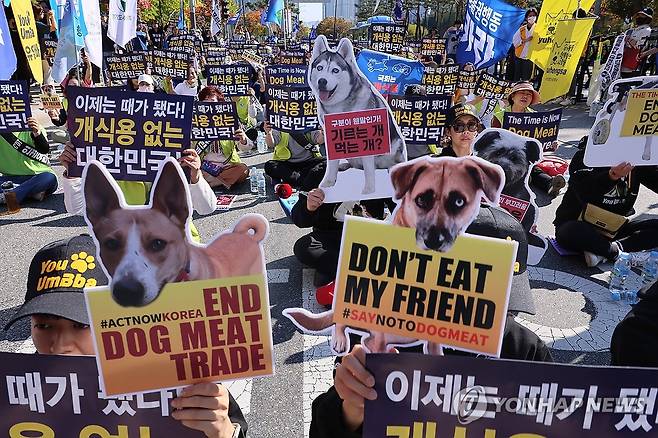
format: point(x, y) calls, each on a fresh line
point(574, 313)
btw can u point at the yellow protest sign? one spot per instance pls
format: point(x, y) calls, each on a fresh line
point(571, 37)
point(641, 118)
point(50, 101)
point(552, 12)
point(195, 331)
point(457, 298)
point(27, 31)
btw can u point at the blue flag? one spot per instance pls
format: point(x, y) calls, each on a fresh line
point(234, 19)
point(274, 12)
point(66, 56)
point(313, 35)
point(388, 73)
point(181, 17)
point(398, 10)
point(79, 25)
point(489, 28)
point(7, 54)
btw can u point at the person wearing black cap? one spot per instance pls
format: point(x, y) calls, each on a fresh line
point(339, 411)
point(55, 303)
point(634, 42)
point(462, 126)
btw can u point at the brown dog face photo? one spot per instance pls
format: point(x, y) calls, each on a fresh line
point(440, 197)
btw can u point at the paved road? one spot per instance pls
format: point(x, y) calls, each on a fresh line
point(574, 314)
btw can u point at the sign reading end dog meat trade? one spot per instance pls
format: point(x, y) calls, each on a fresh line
point(389, 285)
point(357, 134)
point(207, 330)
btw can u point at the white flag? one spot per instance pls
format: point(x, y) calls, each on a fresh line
point(215, 20)
point(122, 21)
point(93, 39)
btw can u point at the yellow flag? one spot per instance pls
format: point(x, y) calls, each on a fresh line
point(546, 28)
point(570, 39)
point(27, 31)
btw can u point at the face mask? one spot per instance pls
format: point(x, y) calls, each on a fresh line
point(532, 20)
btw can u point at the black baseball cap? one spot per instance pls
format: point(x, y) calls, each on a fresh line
point(495, 222)
point(458, 110)
point(58, 274)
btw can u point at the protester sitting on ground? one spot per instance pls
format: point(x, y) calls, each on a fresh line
point(418, 150)
point(204, 200)
point(296, 156)
point(519, 99)
point(608, 194)
point(339, 412)
point(220, 163)
point(462, 126)
point(60, 326)
point(24, 164)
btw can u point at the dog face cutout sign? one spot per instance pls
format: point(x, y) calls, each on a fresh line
point(175, 312)
point(399, 291)
point(362, 138)
point(516, 155)
point(626, 127)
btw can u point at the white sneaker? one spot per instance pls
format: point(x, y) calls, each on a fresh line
point(592, 260)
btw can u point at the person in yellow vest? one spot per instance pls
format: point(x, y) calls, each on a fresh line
point(521, 41)
point(296, 156)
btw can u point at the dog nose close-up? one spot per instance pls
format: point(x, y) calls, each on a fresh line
point(128, 292)
point(322, 83)
point(435, 238)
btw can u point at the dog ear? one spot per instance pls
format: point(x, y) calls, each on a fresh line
point(489, 177)
point(345, 49)
point(532, 151)
point(319, 46)
point(404, 175)
point(485, 140)
point(100, 196)
point(169, 195)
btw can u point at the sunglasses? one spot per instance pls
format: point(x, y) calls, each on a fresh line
point(471, 126)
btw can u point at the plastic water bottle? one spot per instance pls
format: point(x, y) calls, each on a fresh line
point(618, 277)
point(262, 188)
point(650, 269)
point(260, 143)
point(253, 180)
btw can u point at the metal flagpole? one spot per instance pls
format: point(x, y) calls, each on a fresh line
point(335, 13)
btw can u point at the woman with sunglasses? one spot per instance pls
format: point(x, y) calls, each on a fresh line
point(463, 125)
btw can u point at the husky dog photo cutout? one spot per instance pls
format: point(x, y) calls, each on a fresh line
point(142, 248)
point(439, 198)
point(340, 87)
point(517, 155)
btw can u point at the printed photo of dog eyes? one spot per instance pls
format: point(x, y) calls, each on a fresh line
point(440, 197)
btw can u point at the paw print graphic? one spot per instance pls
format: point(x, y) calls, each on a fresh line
point(82, 261)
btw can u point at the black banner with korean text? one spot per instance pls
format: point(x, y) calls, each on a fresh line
point(292, 109)
point(421, 118)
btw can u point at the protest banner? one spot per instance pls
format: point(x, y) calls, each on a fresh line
point(612, 68)
point(433, 46)
point(130, 133)
point(421, 118)
point(251, 57)
point(50, 46)
point(292, 58)
point(550, 15)
point(357, 134)
point(183, 43)
point(542, 126)
point(198, 313)
point(626, 126)
point(389, 74)
point(492, 88)
point(232, 80)
point(215, 52)
point(50, 101)
point(286, 75)
point(27, 32)
point(446, 396)
point(214, 121)
point(467, 81)
point(456, 298)
point(126, 66)
point(488, 31)
point(441, 80)
point(59, 396)
point(14, 106)
point(292, 109)
point(570, 40)
point(414, 45)
point(169, 63)
point(387, 37)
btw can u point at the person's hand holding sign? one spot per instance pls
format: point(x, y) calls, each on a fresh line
point(314, 199)
point(34, 126)
point(620, 171)
point(240, 136)
point(354, 385)
point(191, 160)
point(204, 407)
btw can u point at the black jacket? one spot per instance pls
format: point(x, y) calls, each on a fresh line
point(593, 185)
point(518, 343)
point(322, 219)
point(635, 340)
